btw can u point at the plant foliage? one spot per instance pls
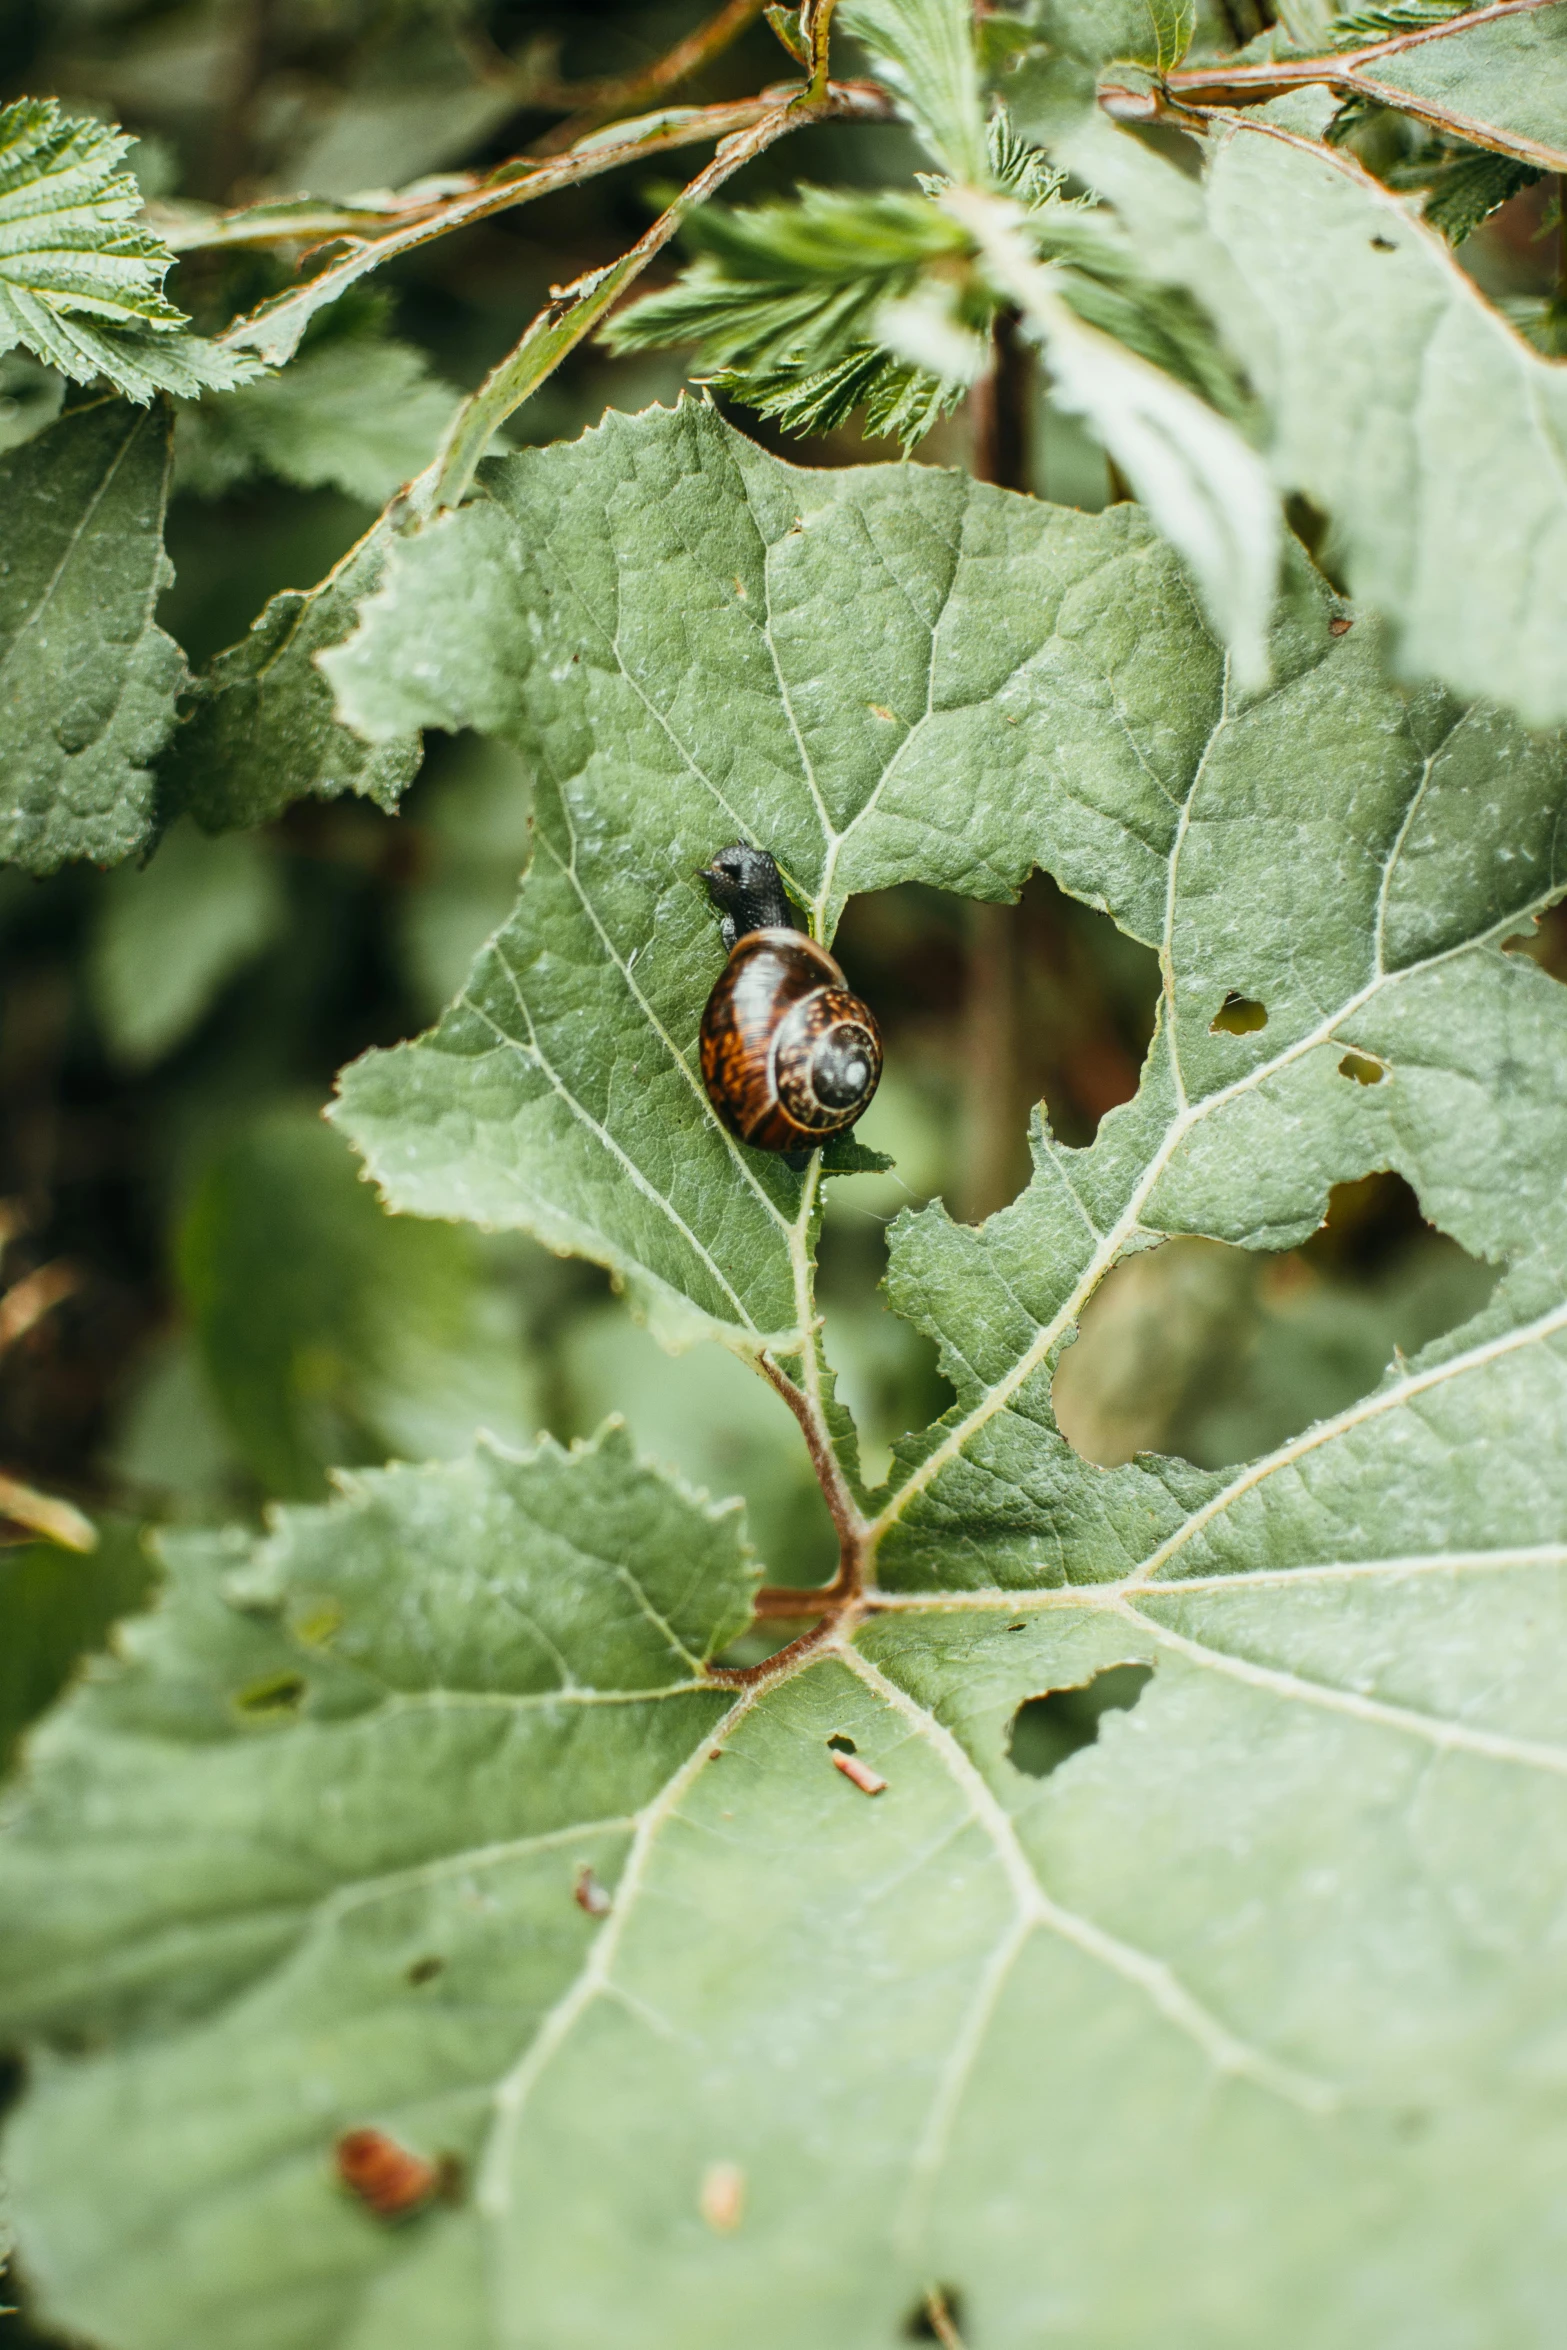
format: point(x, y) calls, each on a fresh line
point(485, 1900)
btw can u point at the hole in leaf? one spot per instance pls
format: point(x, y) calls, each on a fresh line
point(1218, 1354)
point(1383, 245)
point(1238, 1015)
point(938, 2318)
point(1047, 1731)
point(425, 1970)
point(1544, 941)
point(842, 1745)
point(1363, 1070)
point(278, 1693)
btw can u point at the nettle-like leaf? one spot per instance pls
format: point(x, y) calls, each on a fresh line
point(1235, 2026)
point(801, 308)
point(88, 681)
point(1373, 354)
point(81, 282)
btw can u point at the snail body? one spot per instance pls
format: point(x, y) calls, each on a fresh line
point(790, 1055)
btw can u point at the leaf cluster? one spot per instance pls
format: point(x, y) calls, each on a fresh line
point(834, 301)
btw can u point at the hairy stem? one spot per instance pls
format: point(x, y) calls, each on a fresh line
point(573, 311)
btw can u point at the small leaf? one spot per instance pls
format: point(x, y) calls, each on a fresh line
point(360, 412)
point(81, 283)
point(924, 51)
point(171, 936)
point(259, 731)
point(88, 680)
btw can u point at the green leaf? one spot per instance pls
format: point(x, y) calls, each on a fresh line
point(169, 938)
point(81, 284)
point(260, 731)
point(360, 412)
point(331, 1332)
point(1502, 81)
point(1373, 354)
point(923, 50)
point(87, 678)
point(57, 1606)
point(1203, 2004)
point(881, 674)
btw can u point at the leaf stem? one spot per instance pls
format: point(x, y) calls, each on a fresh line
point(274, 329)
point(847, 1517)
point(573, 311)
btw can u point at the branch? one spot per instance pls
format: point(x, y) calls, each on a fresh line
point(1349, 74)
point(573, 311)
point(46, 1515)
point(594, 102)
point(274, 330)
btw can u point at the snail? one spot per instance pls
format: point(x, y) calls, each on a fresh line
point(789, 1056)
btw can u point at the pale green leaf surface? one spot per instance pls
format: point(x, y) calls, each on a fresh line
point(924, 51)
point(87, 678)
point(1374, 355)
point(260, 731)
point(169, 938)
point(883, 674)
point(1506, 75)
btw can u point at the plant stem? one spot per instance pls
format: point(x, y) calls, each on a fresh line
point(573, 311)
point(596, 102)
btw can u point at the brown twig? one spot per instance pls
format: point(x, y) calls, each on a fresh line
point(28, 1300)
point(275, 328)
point(573, 311)
point(939, 2318)
point(594, 102)
point(1349, 73)
point(45, 1514)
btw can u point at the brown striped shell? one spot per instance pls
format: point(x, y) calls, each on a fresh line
point(789, 1056)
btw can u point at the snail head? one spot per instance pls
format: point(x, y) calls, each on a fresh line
point(744, 885)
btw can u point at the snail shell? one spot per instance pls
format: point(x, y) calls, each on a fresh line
point(789, 1055)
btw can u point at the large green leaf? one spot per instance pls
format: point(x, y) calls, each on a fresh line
point(87, 678)
point(1375, 355)
point(885, 674)
point(1237, 2024)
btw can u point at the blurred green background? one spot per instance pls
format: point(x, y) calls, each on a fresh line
point(229, 1313)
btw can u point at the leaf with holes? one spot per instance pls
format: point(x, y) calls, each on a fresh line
point(1133, 1913)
